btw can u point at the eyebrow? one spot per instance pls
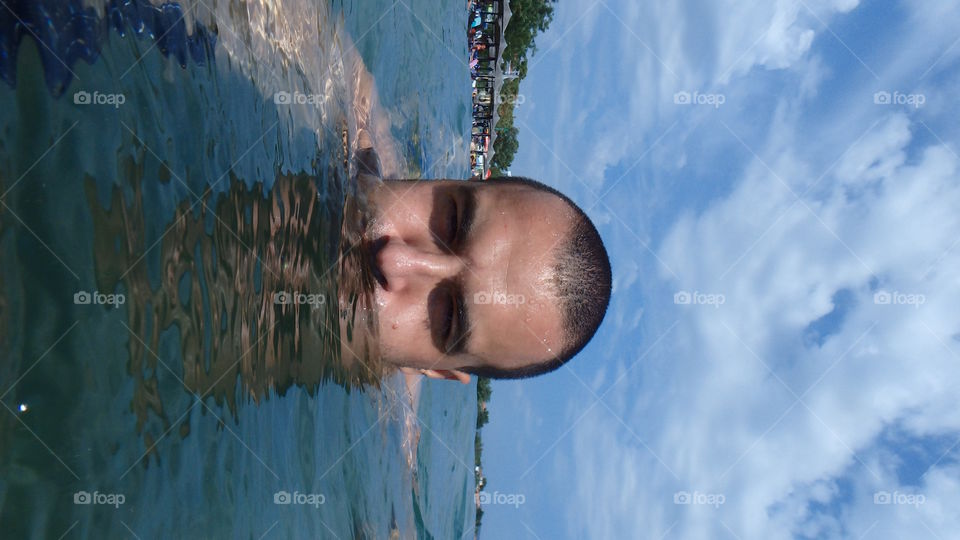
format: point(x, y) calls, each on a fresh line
point(462, 337)
point(469, 212)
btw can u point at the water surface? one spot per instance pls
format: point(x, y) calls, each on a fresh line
point(203, 395)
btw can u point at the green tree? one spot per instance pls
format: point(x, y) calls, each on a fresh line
point(529, 18)
point(505, 147)
point(477, 449)
point(483, 417)
point(483, 389)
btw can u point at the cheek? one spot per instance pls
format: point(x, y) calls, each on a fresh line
point(401, 327)
point(400, 213)
point(406, 342)
point(414, 227)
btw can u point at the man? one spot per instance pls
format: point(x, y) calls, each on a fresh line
point(501, 278)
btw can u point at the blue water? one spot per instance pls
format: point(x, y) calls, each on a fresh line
point(195, 402)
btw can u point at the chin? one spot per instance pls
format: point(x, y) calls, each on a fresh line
point(400, 363)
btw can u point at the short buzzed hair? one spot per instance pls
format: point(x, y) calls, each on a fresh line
point(583, 282)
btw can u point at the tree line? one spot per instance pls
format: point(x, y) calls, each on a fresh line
point(529, 18)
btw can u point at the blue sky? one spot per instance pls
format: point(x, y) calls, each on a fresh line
point(805, 202)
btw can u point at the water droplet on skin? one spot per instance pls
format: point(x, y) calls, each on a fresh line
point(395, 325)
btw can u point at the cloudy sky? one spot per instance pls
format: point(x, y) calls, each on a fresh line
point(777, 183)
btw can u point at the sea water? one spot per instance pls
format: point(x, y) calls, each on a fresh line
point(155, 197)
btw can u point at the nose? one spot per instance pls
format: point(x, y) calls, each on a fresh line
point(402, 264)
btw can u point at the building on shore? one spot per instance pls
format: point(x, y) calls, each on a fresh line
point(486, 22)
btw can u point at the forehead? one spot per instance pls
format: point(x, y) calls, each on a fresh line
point(514, 310)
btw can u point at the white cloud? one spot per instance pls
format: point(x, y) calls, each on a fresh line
point(734, 401)
point(727, 385)
point(651, 50)
point(896, 364)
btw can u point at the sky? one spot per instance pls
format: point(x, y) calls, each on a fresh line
point(777, 185)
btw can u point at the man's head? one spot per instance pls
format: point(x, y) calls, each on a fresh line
point(504, 278)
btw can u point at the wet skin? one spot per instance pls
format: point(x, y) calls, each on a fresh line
point(464, 274)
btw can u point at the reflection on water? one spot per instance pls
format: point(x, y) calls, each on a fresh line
point(250, 281)
point(201, 199)
point(80, 29)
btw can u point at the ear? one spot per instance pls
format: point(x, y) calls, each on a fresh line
point(448, 374)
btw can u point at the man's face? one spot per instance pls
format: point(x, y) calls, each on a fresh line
point(463, 271)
